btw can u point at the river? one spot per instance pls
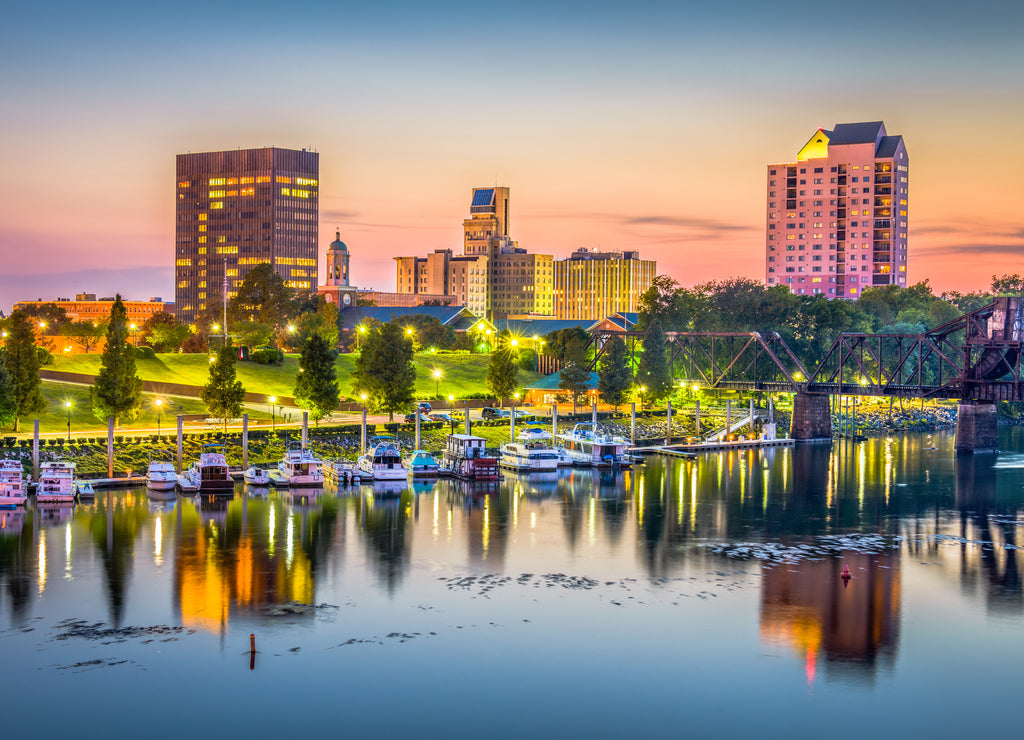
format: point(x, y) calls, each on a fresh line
point(678, 598)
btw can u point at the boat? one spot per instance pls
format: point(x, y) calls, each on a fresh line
point(209, 474)
point(84, 490)
point(340, 472)
point(186, 484)
point(299, 468)
point(12, 484)
point(589, 447)
point(161, 476)
point(56, 483)
point(256, 477)
point(466, 457)
point(422, 464)
point(530, 452)
point(383, 462)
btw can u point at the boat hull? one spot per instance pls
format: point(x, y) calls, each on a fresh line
point(10, 502)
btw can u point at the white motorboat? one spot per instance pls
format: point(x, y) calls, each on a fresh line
point(56, 483)
point(12, 484)
point(530, 452)
point(161, 476)
point(422, 464)
point(383, 462)
point(466, 457)
point(340, 472)
point(256, 477)
point(299, 468)
point(208, 474)
point(589, 447)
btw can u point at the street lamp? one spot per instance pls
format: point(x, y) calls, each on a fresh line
point(67, 405)
point(643, 391)
point(273, 418)
point(437, 380)
point(159, 407)
point(135, 334)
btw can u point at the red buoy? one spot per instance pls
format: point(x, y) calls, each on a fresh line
point(846, 576)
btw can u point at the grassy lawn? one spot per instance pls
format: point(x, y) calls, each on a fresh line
point(463, 376)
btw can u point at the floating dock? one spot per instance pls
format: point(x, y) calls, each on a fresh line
point(690, 449)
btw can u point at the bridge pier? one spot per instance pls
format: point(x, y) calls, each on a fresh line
point(812, 419)
point(977, 429)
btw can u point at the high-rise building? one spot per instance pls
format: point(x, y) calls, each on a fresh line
point(459, 280)
point(591, 285)
point(237, 209)
point(837, 217)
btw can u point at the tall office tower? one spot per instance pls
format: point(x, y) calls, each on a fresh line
point(837, 217)
point(238, 209)
point(487, 222)
point(592, 285)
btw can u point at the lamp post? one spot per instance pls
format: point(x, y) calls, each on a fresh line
point(273, 418)
point(437, 380)
point(159, 407)
point(643, 391)
point(67, 405)
point(135, 334)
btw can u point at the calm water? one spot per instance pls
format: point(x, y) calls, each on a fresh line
point(675, 599)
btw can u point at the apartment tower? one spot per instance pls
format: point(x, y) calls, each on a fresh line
point(837, 217)
point(590, 285)
point(237, 209)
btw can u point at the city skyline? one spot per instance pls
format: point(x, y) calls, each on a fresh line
point(645, 127)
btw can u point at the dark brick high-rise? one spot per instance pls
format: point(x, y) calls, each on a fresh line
point(247, 206)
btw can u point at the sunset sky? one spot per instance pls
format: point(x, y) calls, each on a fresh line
point(642, 125)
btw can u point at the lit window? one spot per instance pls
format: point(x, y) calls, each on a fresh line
point(202, 216)
point(202, 240)
point(262, 179)
point(216, 205)
point(246, 181)
point(216, 193)
point(285, 180)
point(184, 262)
point(218, 181)
point(184, 184)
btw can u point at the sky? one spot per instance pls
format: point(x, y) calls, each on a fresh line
point(640, 125)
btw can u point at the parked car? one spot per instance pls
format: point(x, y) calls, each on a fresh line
point(489, 412)
point(441, 417)
point(411, 418)
point(423, 407)
point(457, 414)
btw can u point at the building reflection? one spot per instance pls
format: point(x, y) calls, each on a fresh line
point(853, 628)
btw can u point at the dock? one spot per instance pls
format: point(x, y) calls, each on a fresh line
point(689, 450)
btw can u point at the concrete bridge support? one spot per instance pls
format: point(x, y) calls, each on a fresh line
point(977, 429)
point(812, 419)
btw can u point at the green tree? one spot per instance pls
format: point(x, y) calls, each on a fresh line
point(322, 322)
point(502, 374)
point(574, 376)
point(384, 369)
point(1008, 284)
point(223, 394)
point(86, 333)
point(117, 390)
point(315, 386)
point(8, 407)
point(653, 370)
point(613, 376)
point(164, 332)
point(22, 363)
point(262, 297)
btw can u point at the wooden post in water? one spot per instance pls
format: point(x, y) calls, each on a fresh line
point(362, 436)
point(512, 424)
point(305, 428)
point(593, 414)
point(668, 422)
point(35, 451)
point(245, 441)
point(554, 422)
point(771, 410)
point(751, 413)
point(696, 417)
point(728, 417)
point(468, 426)
point(416, 446)
point(110, 446)
point(632, 423)
point(180, 435)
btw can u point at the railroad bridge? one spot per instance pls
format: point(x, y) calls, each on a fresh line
point(976, 359)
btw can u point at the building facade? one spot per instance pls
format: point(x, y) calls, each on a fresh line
point(238, 209)
point(85, 307)
point(592, 285)
point(459, 280)
point(336, 288)
point(837, 217)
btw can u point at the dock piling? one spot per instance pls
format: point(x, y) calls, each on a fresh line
point(245, 441)
point(181, 424)
point(305, 428)
point(668, 422)
point(35, 450)
point(110, 446)
point(632, 423)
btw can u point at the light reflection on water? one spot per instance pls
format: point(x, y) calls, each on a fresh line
point(682, 584)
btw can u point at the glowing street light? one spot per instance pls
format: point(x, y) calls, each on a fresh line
point(273, 418)
point(67, 405)
point(159, 407)
point(135, 334)
point(437, 379)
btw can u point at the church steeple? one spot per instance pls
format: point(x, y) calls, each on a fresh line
point(337, 261)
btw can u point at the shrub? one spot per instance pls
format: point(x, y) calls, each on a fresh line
point(45, 358)
point(267, 356)
point(527, 359)
point(145, 352)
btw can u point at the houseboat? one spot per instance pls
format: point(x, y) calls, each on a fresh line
point(588, 447)
point(530, 453)
point(161, 476)
point(466, 458)
point(12, 484)
point(209, 474)
point(383, 462)
point(56, 483)
point(299, 468)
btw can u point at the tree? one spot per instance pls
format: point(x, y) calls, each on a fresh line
point(117, 390)
point(51, 314)
point(8, 407)
point(164, 332)
point(502, 374)
point(384, 369)
point(574, 376)
point(315, 387)
point(262, 297)
point(22, 363)
point(85, 333)
point(322, 322)
point(1008, 284)
point(614, 377)
point(653, 370)
point(557, 343)
point(223, 394)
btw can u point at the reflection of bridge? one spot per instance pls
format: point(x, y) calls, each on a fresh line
point(975, 358)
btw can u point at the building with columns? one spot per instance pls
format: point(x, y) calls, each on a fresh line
point(336, 288)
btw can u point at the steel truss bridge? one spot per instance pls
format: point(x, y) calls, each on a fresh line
point(975, 357)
